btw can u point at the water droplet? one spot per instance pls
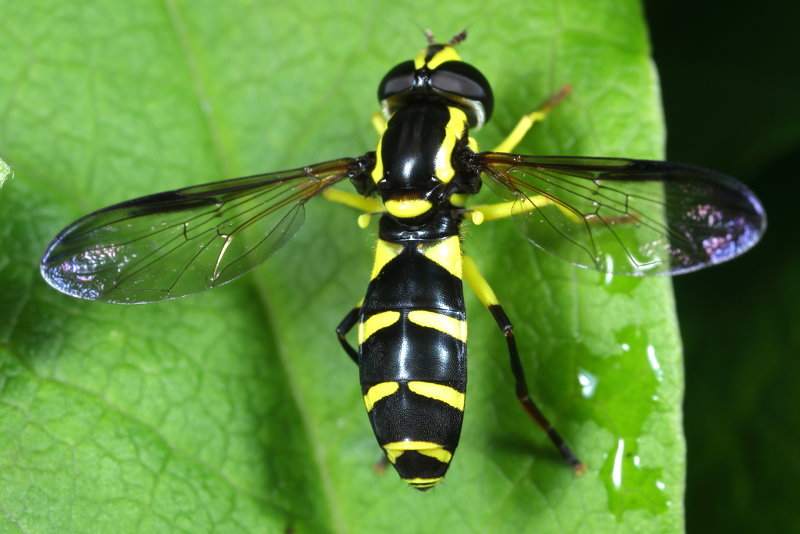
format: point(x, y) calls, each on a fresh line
point(629, 485)
point(654, 364)
point(588, 383)
point(617, 401)
point(609, 270)
point(616, 471)
point(616, 284)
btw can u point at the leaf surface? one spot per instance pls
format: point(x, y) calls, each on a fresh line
point(236, 410)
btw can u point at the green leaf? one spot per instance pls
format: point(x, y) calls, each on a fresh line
point(5, 173)
point(236, 410)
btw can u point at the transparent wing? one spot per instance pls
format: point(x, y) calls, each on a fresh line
point(623, 216)
point(176, 243)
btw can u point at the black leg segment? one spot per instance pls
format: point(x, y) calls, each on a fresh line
point(344, 328)
point(522, 389)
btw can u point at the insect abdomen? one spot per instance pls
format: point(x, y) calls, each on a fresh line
point(412, 341)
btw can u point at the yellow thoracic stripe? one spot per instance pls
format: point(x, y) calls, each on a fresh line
point(439, 392)
point(378, 392)
point(444, 323)
point(407, 208)
point(384, 253)
point(453, 131)
point(447, 253)
point(377, 172)
point(375, 323)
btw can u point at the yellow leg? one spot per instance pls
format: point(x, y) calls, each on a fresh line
point(490, 212)
point(478, 283)
point(481, 287)
point(527, 121)
point(370, 205)
point(366, 204)
point(501, 210)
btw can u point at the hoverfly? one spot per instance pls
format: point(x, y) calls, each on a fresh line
point(615, 215)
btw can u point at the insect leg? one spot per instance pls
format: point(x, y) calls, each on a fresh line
point(344, 328)
point(527, 121)
point(484, 292)
point(367, 204)
point(500, 210)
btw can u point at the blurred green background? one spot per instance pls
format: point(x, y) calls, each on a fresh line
point(730, 81)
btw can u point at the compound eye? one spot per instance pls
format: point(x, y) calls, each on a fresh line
point(397, 80)
point(462, 80)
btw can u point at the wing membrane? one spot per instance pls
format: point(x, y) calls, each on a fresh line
point(176, 243)
point(624, 216)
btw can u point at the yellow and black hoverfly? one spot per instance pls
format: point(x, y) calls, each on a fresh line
point(615, 215)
